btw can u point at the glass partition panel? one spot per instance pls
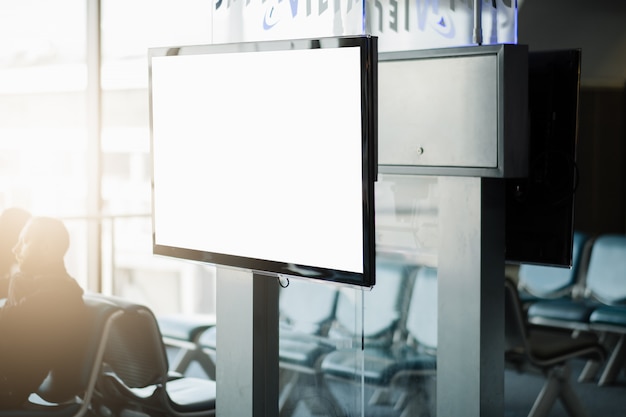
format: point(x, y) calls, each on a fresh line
point(344, 351)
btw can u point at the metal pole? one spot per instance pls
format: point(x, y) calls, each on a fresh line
point(478, 22)
point(94, 139)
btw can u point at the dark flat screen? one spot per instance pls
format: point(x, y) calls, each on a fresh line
point(540, 208)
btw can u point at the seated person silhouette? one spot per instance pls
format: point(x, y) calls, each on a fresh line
point(42, 327)
point(12, 220)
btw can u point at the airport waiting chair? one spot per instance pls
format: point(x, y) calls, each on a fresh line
point(540, 282)
point(599, 310)
point(53, 400)
point(181, 332)
point(405, 366)
point(603, 285)
point(306, 307)
point(136, 379)
point(195, 336)
point(547, 350)
point(609, 319)
point(572, 312)
point(306, 310)
point(384, 308)
point(300, 354)
point(610, 323)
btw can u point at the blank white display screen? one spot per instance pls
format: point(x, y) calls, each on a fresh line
point(258, 160)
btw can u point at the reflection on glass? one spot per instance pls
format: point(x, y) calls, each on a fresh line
point(344, 351)
point(407, 218)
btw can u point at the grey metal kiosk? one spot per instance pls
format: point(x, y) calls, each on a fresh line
point(461, 113)
point(458, 113)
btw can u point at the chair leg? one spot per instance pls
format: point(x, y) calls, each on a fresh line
point(417, 407)
point(185, 357)
point(422, 402)
point(310, 390)
point(402, 401)
point(547, 396)
point(381, 396)
point(614, 363)
point(286, 402)
point(590, 371)
point(557, 386)
point(570, 401)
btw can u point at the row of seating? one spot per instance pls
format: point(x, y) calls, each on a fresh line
point(392, 346)
point(386, 338)
point(136, 378)
point(123, 371)
point(547, 350)
point(588, 298)
point(45, 401)
point(393, 341)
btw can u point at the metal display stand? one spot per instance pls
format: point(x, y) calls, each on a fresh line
point(247, 344)
point(470, 356)
point(462, 116)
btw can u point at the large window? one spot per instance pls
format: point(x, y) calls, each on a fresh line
point(43, 81)
point(128, 29)
point(42, 112)
point(47, 119)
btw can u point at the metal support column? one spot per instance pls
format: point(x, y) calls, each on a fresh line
point(247, 344)
point(470, 355)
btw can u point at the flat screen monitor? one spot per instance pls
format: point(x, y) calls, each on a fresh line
point(264, 156)
point(540, 207)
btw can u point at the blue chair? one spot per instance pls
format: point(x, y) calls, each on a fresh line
point(300, 355)
point(600, 309)
point(538, 282)
point(384, 307)
point(306, 307)
point(182, 332)
point(606, 273)
point(306, 311)
point(604, 284)
point(610, 322)
point(609, 319)
point(547, 350)
point(405, 366)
